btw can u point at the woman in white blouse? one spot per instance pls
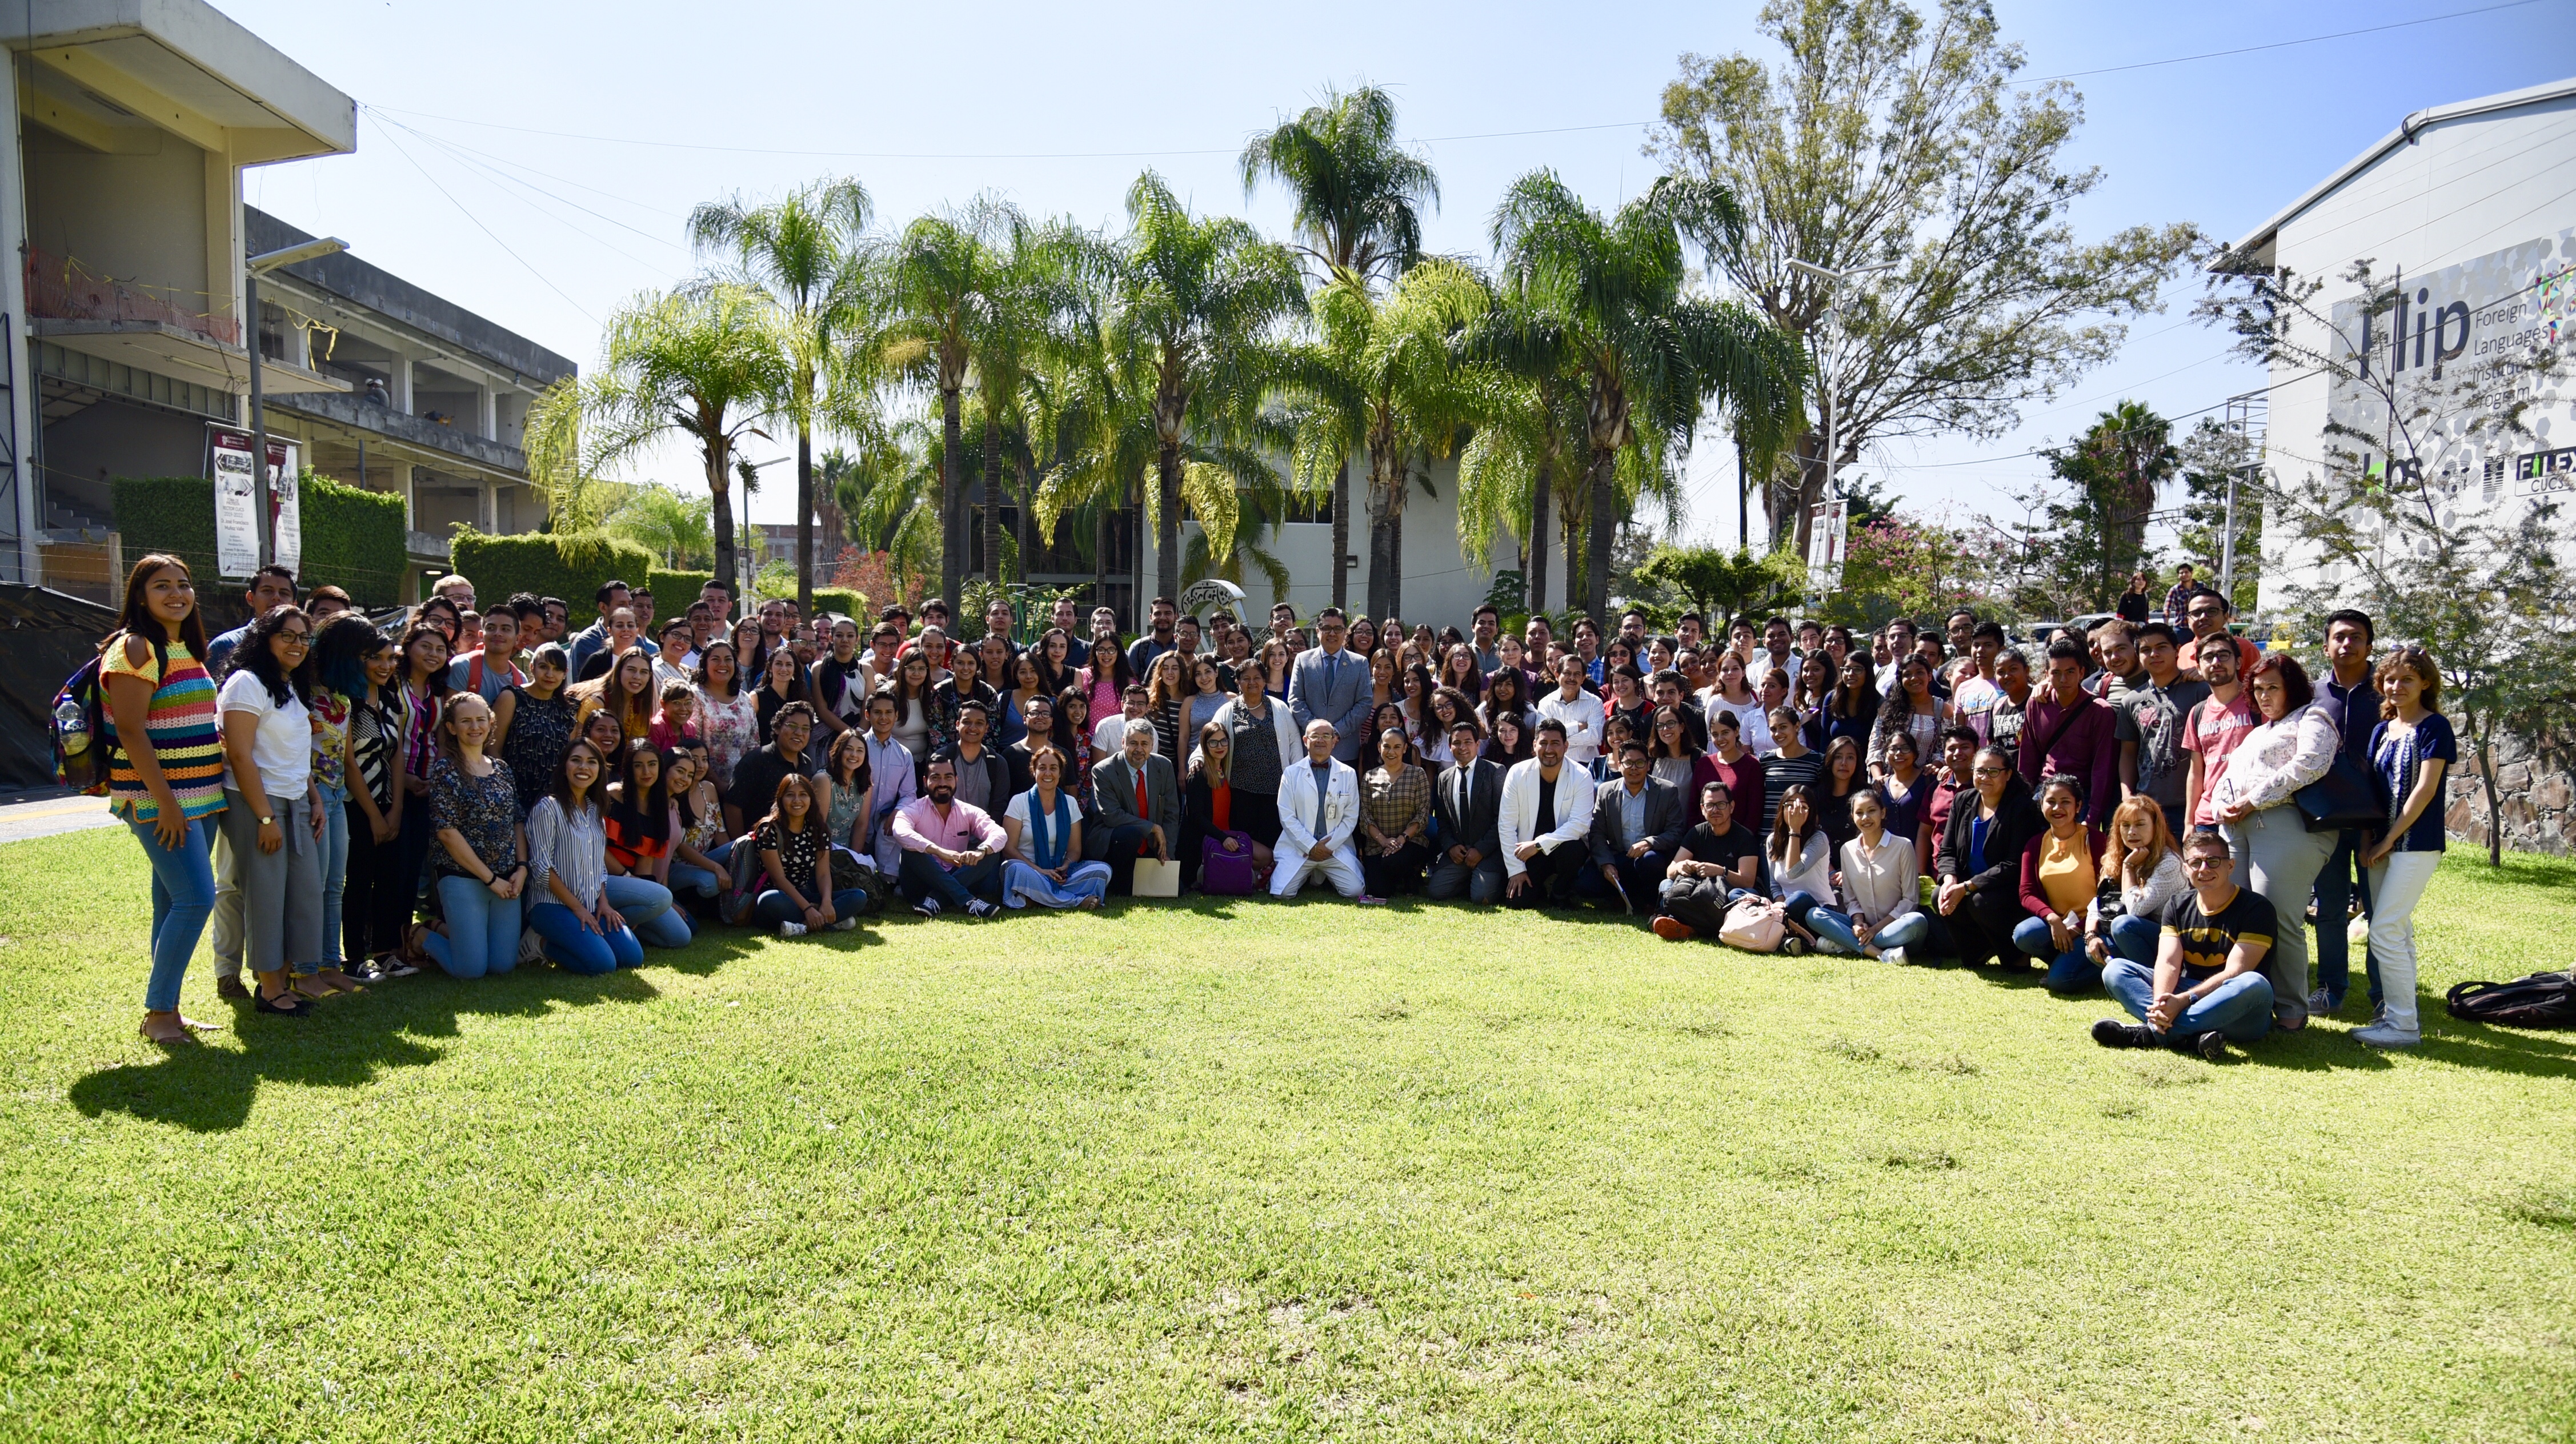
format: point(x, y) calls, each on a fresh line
point(1801, 856)
point(2275, 853)
point(1882, 913)
point(2141, 854)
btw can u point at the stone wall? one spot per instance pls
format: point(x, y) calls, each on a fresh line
point(2538, 792)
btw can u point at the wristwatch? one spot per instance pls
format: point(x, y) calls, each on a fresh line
point(268, 822)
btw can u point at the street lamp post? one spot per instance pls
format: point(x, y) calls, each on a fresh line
point(256, 267)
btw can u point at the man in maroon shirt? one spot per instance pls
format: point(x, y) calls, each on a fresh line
point(1959, 744)
point(2069, 730)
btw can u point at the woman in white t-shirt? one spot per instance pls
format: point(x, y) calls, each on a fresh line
point(272, 814)
point(1043, 850)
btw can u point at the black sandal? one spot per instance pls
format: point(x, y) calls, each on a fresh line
point(288, 1004)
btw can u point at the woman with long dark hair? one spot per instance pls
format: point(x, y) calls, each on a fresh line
point(1057, 666)
point(1850, 709)
point(1042, 851)
point(534, 722)
point(421, 691)
point(643, 832)
point(339, 680)
point(781, 682)
point(1510, 740)
point(728, 715)
point(1909, 707)
point(797, 892)
point(1163, 698)
point(1072, 737)
point(358, 663)
point(700, 852)
point(272, 821)
point(1458, 669)
point(1027, 684)
point(1979, 865)
point(165, 771)
point(1105, 681)
point(568, 867)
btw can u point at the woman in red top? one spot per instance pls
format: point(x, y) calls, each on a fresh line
point(1729, 761)
point(642, 825)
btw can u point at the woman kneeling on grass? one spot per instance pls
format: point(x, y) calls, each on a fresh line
point(481, 867)
point(1043, 850)
point(796, 860)
point(643, 833)
point(568, 864)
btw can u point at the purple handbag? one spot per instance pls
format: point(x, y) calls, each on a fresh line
point(1225, 865)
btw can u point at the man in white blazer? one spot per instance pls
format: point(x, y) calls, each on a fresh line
point(1319, 809)
point(1545, 825)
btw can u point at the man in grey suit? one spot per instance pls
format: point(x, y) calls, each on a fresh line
point(1637, 824)
point(1331, 685)
point(1466, 808)
point(1125, 830)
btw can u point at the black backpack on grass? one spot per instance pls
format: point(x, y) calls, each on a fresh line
point(2543, 1000)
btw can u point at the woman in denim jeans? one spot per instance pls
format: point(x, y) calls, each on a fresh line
point(2142, 868)
point(567, 867)
point(701, 855)
point(481, 863)
point(2276, 856)
point(642, 831)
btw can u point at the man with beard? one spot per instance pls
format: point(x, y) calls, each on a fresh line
point(952, 850)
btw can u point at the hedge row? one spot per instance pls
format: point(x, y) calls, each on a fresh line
point(353, 539)
point(573, 565)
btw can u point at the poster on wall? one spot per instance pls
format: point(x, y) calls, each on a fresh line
point(236, 505)
point(1825, 528)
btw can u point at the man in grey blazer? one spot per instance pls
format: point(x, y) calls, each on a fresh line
point(1638, 823)
point(1329, 684)
point(1466, 808)
point(1124, 831)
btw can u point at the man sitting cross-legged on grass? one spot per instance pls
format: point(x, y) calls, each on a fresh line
point(1717, 860)
point(1319, 810)
point(2204, 991)
point(952, 851)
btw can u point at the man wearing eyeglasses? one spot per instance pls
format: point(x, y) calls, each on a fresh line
point(2207, 988)
point(1328, 684)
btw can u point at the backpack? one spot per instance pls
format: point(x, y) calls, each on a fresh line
point(2543, 1000)
point(82, 749)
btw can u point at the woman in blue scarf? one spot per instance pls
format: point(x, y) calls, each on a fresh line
point(1043, 858)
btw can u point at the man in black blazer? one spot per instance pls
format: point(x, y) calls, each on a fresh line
point(1637, 824)
point(1466, 805)
point(1124, 831)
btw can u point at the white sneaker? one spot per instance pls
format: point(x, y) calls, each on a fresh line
point(981, 909)
point(843, 925)
point(791, 930)
point(1892, 955)
point(2384, 1035)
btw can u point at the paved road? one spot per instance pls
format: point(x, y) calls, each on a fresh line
point(45, 812)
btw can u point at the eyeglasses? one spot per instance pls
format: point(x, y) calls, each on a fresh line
point(296, 639)
point(1992, 771)
point(2207, 861)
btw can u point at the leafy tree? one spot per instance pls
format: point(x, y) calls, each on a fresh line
point(2097, 534)
point(1359, 196)
point(1522, 457)
point(1649, 356)
point(1892, 145)
point(697, 361)
point(2212, 454)
point(805, 257)
point(1903, 565)
point(674, 527)
point(1381, 374)
point(940, 281)
point(1725, 584)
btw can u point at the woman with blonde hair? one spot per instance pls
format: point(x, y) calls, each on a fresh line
point(2141, 872)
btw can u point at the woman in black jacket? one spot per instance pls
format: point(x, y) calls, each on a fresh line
point(1979, 868)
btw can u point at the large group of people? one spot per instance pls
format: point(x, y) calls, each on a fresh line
point(2138, 813)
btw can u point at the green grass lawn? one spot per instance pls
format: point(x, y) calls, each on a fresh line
point(1265, 1172)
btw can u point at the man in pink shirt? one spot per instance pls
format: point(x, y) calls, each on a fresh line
point(2216, 726)
point(952, 850)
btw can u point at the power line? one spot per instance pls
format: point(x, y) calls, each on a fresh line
point(487, 230)
point(2284, 44)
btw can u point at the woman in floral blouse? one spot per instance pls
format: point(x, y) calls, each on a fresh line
point(481, 862)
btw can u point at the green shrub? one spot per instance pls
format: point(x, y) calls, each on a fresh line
point(570, 565)
point(353, 539)
point(674, 591)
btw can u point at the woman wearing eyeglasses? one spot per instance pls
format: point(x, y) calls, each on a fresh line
point(272, 814)
point(1980, 860)
point(2276, 855)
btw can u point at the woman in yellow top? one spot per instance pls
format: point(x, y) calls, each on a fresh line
point(626, 691)
point(2060, 870)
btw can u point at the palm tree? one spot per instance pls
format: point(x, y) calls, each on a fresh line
point(803, 256)
point(1382, 375)
point(1195, 305)
point(673, 527)
point(941, 278)
point(1359, 199)
point(700, 360)
point(1526, 429)
point(1649, 356)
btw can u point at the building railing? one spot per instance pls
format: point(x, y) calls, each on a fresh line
point(63, 289)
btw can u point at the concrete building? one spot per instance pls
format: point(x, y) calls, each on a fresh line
point(430, 400)
point(2469, 202)
point(121, 333)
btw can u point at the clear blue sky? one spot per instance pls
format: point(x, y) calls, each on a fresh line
point(1058, 107)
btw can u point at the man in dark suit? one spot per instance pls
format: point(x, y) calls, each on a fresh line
point(1328, 684)
point(1140, 808)
point(1466, 806)
point(1637, 823)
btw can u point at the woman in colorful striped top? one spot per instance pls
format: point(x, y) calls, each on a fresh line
point(419, 692)
point(166, 776)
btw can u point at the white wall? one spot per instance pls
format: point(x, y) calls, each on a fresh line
point(2488, 187)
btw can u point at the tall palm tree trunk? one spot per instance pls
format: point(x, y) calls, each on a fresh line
point(1342, 534)
point(1167, 525)
point(1099, 562)
point(1025, 528)
point(1604, 526)
point(1536, 578)
point(992, 488)
point(804, 519)
point(952, 498)
point(720, 513)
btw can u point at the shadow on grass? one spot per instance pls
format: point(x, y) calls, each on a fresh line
point(348, 1042)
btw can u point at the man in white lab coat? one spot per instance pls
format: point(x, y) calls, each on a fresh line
point(1319, 809)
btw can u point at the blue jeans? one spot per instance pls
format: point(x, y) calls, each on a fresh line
point(688, 878)
point(2069, 971)
point(2335, 888)
point(335, 868)
point(2135, 938)
point(923, 876)
point(2240, 1009)
point(774, 907)
point(575, 948)
point(183, 897)
point(1905, 931)
point(646, 906)
point(482, 930)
